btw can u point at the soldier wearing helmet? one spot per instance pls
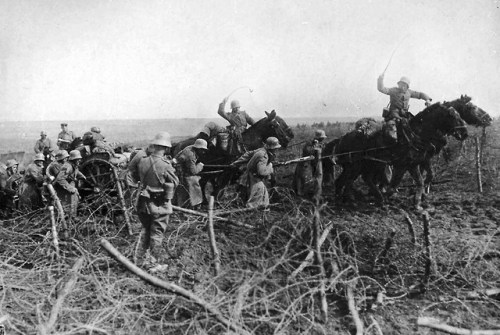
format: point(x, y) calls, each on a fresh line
point(157, 185)
point(238, 120)
point(65, 137)
point(12, 184)
point(400, 98)
point(66, 180)
point(43, 145)
point(30, 192)
point(303, 169)
point(189, 164)
point(96, 134)
point(259, 168)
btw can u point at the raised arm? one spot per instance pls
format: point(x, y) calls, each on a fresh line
point(222, 107)
point(380, 85)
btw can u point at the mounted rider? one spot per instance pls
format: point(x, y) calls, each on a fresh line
point(400, 98)
point(214, 135)
point(238, 120)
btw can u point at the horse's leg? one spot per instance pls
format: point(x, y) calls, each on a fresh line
point(370, 177)
point(340, 182)
point(398, 172)
point(426, 166)
point(419, 190)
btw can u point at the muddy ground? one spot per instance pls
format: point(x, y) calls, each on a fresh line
point(369, 250)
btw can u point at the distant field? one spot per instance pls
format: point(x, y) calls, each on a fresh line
point(21, 136)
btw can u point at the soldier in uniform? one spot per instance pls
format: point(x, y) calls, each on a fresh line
point(44, 144)
point(14, 180)
point(259, 168)
point(30, 193)
point(302, 169)
point(189, 165)
point(132, 177)
point(400, 98)
point(65, 137)
point(158, 181)
point(238, 120)
point(65, 182)
point(96, 134)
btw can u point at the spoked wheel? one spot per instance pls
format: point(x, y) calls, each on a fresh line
point(100, 178)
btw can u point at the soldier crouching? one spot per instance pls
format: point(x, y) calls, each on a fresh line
point(157, 184)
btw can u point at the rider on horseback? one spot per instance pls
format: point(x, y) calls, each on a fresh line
point(238, 120)
point(400, 98)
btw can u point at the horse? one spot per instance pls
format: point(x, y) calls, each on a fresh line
point(471, 114)
point(218, 156)
point(360, 154)
point(419, 140)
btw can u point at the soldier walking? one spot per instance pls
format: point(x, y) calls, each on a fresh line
point(157, 182)
point(303, 169)
point(189, 192)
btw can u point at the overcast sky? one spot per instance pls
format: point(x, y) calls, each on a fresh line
point(89, 59)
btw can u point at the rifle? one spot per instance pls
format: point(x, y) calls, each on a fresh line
point(293, 161)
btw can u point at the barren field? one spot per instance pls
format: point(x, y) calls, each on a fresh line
point(372, 272)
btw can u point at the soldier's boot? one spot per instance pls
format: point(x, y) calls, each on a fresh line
point(157, 265)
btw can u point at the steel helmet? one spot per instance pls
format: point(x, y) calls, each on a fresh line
point(200, 144)
point(95, 129)
point(235, 104)
point(162, 139)
point(319, 134)
point(61, 155)
point(75, 154)
point(405, 80)
point(39, 157)
point(11, 163)
point(43, 132)
point(272, 143)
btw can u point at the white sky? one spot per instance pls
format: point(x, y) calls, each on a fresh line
point(90, 59)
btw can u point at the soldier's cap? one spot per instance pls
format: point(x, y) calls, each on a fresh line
point(200, 144)
point(39, 157)
point(11, 163)
point(74, 154)
point(319, 134)
point(64, 124)
point(43, 132)
point(61, 154)
point(272, 143)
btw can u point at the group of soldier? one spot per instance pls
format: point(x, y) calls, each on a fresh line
point(162, 179)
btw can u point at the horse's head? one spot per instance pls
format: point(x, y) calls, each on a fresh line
point(454, 124)
point(278, 128)
point(469, 112)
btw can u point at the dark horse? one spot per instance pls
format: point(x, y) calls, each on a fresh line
point(417, 142)
point(218, 156)
point(360, 154)
point(470, 113)
point(420, 139)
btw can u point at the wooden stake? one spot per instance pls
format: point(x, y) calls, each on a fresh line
point(478, 165)
point(351, 303)
point(409, 222)
point(61, 295)
point(54, 231)
point(319, 261)
point(59, 207)
point(172, 288)
point(122, 201)
point(428, 249)
point(435, 324)
point(211, 235)
point(318, 177)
